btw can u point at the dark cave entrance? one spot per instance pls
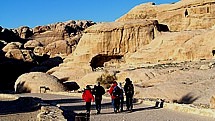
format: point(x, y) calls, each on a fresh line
point(213, 52)
point(100, 59)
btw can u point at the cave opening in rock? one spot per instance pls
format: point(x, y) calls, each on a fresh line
point(100, 59)
point(186, 13)
point(162, 28)
point(213, 52)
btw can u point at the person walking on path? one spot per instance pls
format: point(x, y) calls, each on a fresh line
point(121, 96)
point(87, 96)
point(98, 91)
point(114, 91)
point(129, 93)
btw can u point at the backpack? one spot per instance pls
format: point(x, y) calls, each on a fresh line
point(130, 89)
point(116, 91)
point(98, 90)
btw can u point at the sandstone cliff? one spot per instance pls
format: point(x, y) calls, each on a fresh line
point(183, 15)
point(176, 46)
point(106, 41)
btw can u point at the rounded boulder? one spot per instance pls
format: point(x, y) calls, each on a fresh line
point(33, 81)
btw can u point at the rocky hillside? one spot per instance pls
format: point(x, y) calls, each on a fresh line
point(40, 48)
point(145, 35)
point(149, 34)
point(167, 50)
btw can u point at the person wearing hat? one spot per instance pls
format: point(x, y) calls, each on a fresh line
point(87, 96)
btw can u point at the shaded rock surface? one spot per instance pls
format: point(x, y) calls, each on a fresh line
point(30, 48)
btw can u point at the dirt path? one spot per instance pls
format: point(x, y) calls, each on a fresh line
point(26, 116)
point(73, 105)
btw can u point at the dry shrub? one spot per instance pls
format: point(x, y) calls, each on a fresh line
point(106, 79)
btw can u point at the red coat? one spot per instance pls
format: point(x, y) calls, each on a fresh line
point(111, 91)
point(87, 96)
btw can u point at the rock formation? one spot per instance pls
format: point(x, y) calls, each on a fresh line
point(102, 42)
point(31, 48)
point(31, 82)
point(150, 34)
point(182, 15)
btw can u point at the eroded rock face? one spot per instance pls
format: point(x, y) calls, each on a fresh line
point(58, 47)
point(106, 41)
point(176, 46)
point(117, 38)
point(183, 15)
point(31, 82)
point(25, 32)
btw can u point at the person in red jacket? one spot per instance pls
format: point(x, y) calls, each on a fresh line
point(87, 96)
point(114, 92)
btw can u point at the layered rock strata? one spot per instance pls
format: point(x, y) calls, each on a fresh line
point(183, 15)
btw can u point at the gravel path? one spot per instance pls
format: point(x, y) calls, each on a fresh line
point(26, 116)
point(147, 113)
point(72, 105)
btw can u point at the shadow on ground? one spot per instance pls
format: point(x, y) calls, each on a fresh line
point(21, 105)
point(187, 99)
point(69, 106)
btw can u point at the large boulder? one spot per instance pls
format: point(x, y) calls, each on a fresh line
point(12, 45)
point(31, 82)
point(18, 54)
point(31, 44)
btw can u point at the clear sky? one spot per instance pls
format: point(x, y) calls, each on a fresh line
point(16, 13)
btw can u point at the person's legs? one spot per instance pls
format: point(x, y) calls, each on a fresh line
point(121, 103)
point(113, 104)
point(98, 105)
point(117, 104)
point(88, 105)
point(131, 102)
point(127, 102)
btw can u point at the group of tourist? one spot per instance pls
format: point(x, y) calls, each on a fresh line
point(116, 92)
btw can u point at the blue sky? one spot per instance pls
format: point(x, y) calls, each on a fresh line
point(16, 13)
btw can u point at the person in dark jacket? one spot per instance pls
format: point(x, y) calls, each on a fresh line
point(129, 93)
point(98, 91)
point(87, 96)
point(121, 96)
point(115, 98)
